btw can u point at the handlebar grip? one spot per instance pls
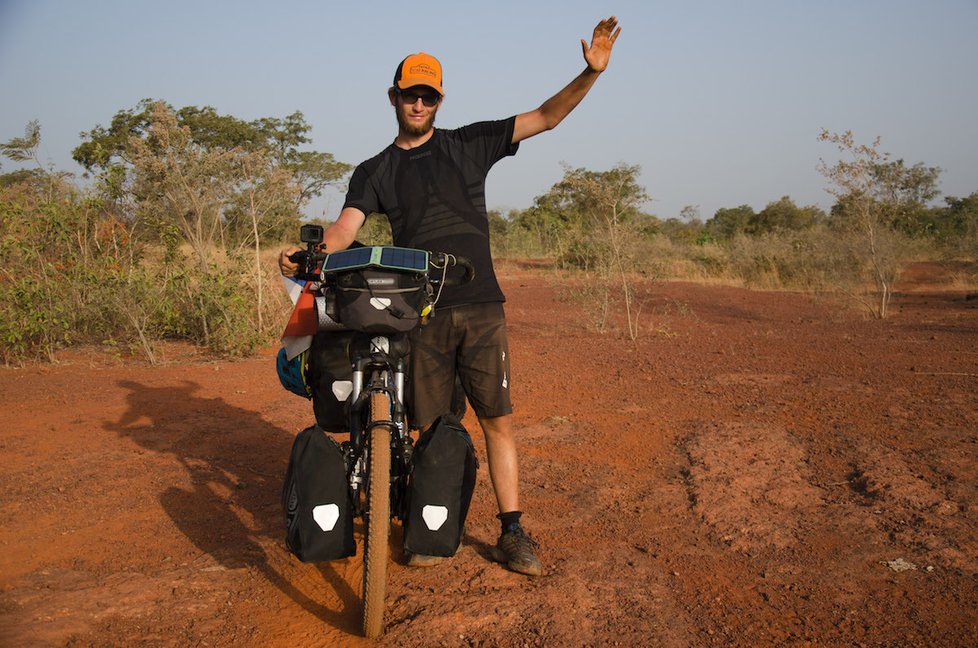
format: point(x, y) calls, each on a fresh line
point(298, 257)
point(468, 272)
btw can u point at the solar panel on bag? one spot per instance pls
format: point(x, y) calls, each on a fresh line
point(404, 258)
point(348, 259)
point(394, 258)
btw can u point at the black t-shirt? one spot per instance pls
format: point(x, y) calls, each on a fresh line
point(435, 198)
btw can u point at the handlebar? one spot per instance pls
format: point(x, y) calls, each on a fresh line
point(309, 262)
point(443, 261)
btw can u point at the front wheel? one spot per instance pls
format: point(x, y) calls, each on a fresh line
point(378, 517)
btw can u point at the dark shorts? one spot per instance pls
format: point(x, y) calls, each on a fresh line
point(469, 341)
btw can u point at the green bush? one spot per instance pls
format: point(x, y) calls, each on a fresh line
point(74, 274)
point(58, 258)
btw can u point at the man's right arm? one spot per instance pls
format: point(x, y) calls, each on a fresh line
point(337, 236)
point(553, 110)
point(341, 234)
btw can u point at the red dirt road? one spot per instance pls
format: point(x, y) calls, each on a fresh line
point(755, 470)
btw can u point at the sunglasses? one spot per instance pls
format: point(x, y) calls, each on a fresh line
point(429, 99)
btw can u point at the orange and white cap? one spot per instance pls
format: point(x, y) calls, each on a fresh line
point(419, 69)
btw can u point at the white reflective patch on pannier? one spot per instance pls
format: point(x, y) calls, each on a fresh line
point(380, 303)
point(434, 516)
point(326, 516)
point(342, 389)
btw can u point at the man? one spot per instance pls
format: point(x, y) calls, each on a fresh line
point(430, 183)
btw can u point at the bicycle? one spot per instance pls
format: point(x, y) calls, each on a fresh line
point(380, 446)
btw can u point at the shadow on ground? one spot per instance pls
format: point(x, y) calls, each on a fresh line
point(236, 461)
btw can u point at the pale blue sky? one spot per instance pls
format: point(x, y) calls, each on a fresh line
point(720, 103)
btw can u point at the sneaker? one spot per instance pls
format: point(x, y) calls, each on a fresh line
point(516, 550)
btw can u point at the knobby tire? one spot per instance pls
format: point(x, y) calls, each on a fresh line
point(376, 542)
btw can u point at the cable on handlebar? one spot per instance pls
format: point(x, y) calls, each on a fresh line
point(448, 259)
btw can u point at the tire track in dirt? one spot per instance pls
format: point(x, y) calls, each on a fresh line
point(751, 485)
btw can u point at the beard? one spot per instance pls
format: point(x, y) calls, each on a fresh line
point(414, 129)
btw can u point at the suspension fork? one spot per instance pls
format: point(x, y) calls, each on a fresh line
point(387, 374)
point(393, 370)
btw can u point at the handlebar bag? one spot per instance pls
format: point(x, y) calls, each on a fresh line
point(316, 500)
point(381, 301)
point(440, 488)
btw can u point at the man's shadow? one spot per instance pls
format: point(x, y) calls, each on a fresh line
point(236, 463)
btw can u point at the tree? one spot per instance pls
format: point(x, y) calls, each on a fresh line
point(221, 201)
point(264, 199)
point(683, 232)
point(899, 184)
point(866, 201)
point(905, 192)
point(690, 213)
point(955, 226)
point(728, 222)
point(604, 205)
point(960, 216)
point(499, 227)
point(179, 182)
point(23, 149)
point(105, 150)
point(784, 215)
point(222, 185)
point(498, 224)
point(548, 224)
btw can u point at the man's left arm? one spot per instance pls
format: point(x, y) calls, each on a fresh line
point(554, 109)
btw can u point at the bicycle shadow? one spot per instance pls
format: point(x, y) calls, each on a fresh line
point(235, 461)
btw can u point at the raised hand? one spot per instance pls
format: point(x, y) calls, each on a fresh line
point(597, 54)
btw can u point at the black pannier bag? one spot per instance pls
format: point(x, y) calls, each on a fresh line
point(316, 499)
point(330, 376)
point(380, 301)
point(440, 489)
